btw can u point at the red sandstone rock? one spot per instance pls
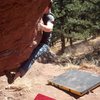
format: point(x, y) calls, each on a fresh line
point(18, 21)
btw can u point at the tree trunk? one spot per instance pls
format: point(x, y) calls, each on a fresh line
point(62, 43)
point(71, 41)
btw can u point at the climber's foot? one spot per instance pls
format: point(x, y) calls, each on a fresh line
point(10, 77)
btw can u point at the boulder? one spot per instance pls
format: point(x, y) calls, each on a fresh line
point(18, 30)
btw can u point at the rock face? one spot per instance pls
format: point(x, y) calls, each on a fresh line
point(18, 24)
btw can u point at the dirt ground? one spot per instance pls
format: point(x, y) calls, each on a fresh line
point(36, 81)
point(32, 83)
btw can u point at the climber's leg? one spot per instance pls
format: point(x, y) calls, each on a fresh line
point(39, 51)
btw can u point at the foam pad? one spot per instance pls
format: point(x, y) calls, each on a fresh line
point(75, 81)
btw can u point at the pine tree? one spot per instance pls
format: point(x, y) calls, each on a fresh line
point(76, 19)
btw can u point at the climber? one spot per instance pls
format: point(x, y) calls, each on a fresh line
point(46, 25)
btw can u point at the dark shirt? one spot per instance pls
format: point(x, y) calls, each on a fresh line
point(46, 37)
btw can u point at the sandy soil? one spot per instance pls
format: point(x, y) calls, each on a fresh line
point(32, 83)
point(35, 81)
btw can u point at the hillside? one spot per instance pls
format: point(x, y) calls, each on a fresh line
point(35, 81)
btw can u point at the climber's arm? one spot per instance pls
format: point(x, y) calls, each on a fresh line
point(48, 27)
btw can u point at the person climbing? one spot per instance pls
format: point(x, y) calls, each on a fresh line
point(46, 25)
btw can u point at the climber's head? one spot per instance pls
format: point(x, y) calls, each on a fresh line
point(50, 4)
point(48, 8)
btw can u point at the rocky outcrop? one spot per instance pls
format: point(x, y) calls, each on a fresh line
point(18, 24)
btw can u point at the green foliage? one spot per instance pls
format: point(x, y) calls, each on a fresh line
point(77, 18)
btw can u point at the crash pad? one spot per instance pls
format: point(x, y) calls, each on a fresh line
point(43, 97)
point(76, 81)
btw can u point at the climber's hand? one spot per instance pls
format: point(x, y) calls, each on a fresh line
point(40, 25)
